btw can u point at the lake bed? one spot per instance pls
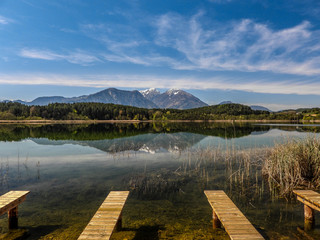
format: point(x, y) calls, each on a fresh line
point(70, 169)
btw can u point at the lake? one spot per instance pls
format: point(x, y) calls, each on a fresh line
point(70, 169)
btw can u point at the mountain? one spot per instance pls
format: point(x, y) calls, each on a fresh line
point(47, 100)
point(116, 96)
point(150, 143)
point(150, 94)
point(253, 107)
point(225, 102)
point(175, 98)
point(110, 95)
point(7, 101)
point(261, 108)
point(150, 98)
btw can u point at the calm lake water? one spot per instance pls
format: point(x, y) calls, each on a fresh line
point(70, 169)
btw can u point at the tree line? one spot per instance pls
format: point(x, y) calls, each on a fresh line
point(102, 111)
point(89, 132)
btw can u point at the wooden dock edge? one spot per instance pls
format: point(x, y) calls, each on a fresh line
point(108, 217)
point(225, 213)
point(311, 202)
point(9, 203)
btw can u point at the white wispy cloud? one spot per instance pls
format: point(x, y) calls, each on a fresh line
point(126, 46)
point(244, 46)
point(148, 81)
point(241, 46)
point(152, 60)
point(4, 20)
point(122, 43)
point(76, 57)
point(197, 43)
point(39, 54)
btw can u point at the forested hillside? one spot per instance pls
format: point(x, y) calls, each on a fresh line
point(101, 111)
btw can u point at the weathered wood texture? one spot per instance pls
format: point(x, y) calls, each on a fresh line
point(232, 219)
point(309, 198)
point(311, 201)
point(108, 217)
point(11, 200)
point(9, 203)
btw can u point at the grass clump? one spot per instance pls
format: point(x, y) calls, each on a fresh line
point(294, 164)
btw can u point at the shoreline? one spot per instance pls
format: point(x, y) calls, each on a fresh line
point(148, 121)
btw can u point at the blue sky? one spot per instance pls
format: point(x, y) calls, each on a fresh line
point(256, 52)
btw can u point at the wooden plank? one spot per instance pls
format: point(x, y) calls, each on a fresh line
point(14, 194)
point(237, 226)
point(309, 198)
point(11, 200)
point(104, 222)
point(244, 237)
point(308, 203)
point(232, 219)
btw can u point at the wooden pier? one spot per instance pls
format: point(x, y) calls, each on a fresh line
point(311, 201)
point(225, 212)
point(9, 202)
point(108, 217)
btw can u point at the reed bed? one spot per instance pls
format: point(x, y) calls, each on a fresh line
point(290, 164)
point(231, 169)
point(293, 164)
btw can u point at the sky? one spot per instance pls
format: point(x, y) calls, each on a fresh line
point(254, 52)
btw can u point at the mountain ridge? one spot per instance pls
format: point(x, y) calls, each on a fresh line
point(253, 107)
point(173, 98)
point(148, 98)
point(109, 95)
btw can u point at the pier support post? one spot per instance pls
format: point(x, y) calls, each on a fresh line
point(119, 223)
point(13, 218)
point(215, 221)
point(308, 218)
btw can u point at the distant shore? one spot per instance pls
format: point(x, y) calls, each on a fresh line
point(146, 121)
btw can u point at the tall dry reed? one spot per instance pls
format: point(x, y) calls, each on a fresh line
point(294, 164)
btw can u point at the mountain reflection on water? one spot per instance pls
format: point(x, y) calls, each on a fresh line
point(143, 137)
point(150, 143)
point(112, 131)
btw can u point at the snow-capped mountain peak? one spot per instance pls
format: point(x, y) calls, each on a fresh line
point(173, 91)
point(176, 98)
point(172, 98)
point(150, 93)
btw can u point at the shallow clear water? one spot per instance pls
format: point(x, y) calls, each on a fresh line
point(70, 169)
